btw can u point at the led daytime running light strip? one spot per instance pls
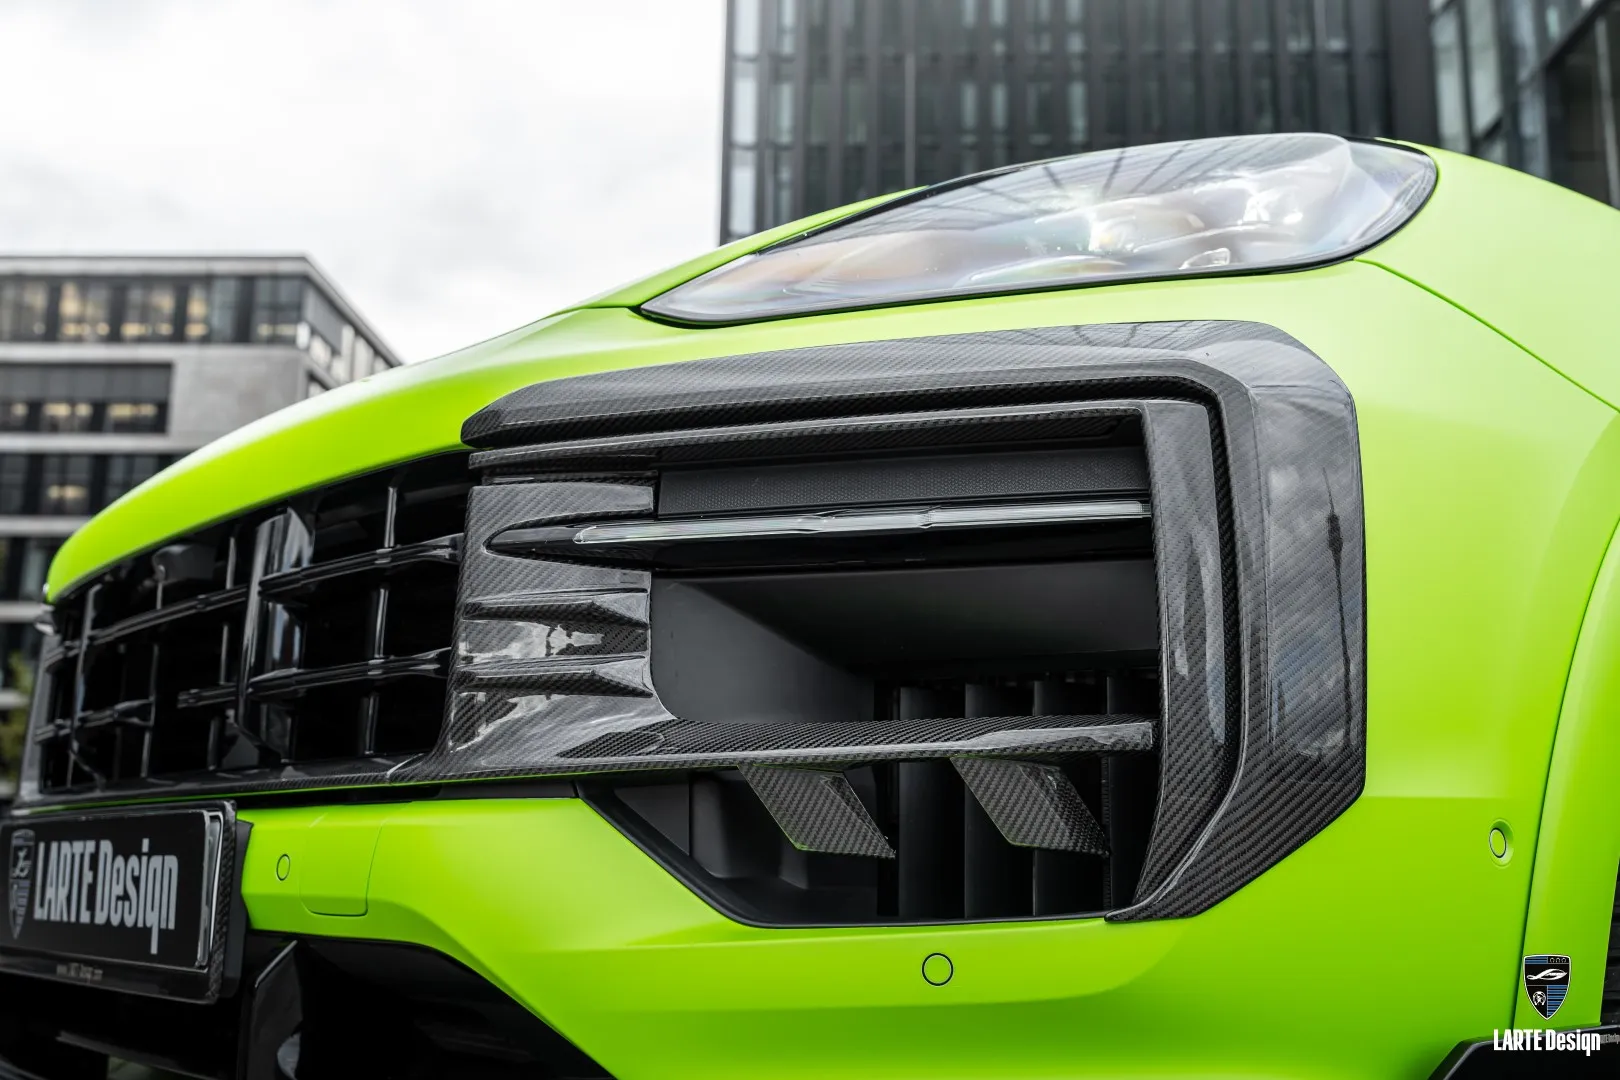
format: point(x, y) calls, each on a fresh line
point(864, 521)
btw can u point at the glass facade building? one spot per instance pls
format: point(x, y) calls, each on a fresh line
point(1534, 84)
point(831, 101)
point(113, 368)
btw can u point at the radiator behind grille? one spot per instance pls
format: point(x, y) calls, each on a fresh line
point(310, 635)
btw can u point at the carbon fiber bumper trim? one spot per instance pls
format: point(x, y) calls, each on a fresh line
point(1258, 535)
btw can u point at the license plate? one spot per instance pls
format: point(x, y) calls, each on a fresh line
point(138, 900)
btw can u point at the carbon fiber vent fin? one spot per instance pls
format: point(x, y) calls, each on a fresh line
point(817, 810)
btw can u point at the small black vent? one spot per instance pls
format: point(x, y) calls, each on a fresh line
point(316, 632)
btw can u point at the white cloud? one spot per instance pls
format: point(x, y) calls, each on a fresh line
point(458, 167)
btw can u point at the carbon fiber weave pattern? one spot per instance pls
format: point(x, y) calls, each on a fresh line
point(1034, 805)
point(571, 691)
point(1284, 432)
point(1199, 736)
point(1006, 367)
point(817, 810)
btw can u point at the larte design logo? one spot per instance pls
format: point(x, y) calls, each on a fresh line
point(91, 882)
point(1546, 980)
point(21, 879)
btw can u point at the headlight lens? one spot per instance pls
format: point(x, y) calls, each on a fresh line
point(1169, 210)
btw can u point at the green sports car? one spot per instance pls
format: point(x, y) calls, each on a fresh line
point(1146, 613)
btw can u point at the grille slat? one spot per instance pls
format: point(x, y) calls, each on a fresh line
point(445, 551)
point(281, 639)
point(294, 682)
point(162, 617)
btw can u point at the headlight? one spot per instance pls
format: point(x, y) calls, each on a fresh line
point(1170, 210)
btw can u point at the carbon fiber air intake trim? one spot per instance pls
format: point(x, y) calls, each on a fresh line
point(1034, 805)
point(817, 810)
point(1254, 463)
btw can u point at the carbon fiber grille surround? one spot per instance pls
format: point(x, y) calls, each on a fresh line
point(1257, 546)
point(305, 642)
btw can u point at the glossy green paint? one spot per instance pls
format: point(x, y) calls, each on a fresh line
point(1572, 891)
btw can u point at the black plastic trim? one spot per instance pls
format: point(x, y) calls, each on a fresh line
point(445, 551)
point(296, 681)
point(222, 600)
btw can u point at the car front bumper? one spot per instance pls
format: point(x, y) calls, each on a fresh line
point(1333, 963)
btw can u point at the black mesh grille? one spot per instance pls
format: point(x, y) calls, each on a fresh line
point(315, 631)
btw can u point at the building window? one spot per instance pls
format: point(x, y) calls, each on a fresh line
point(741, 210)
point(364, 357)
point(782, 108)
point(123, 398)
point(1585, 133)
point(327, 332)
point(787, 25)
point(65, 415)
point(71, 484)
point(125, 472)
point(149, 312)
point(1262, 67)
point(1484, 65)
point(1532, 129)
point(1559, 16)
point(1448, 81)
point(13, 483)
point(23, 306)
point(1522, 31)
point(131, 417)
point(745, 27)
point(854, 112)
point(278, 304)
point(211, 308)
point(744, 103)
point(1078, 117)
point(86, 311)
point(65, 484)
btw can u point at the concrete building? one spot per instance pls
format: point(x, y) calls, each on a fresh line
point(112, 368)
point(830, 101)
point(1534, 84)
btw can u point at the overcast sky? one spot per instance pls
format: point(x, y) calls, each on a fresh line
point(458, 167)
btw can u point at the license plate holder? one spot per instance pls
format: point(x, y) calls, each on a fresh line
point(145, 901)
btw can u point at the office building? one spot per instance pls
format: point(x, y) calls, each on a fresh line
point(830, 101)
point(1534, 84)
point(112, 368)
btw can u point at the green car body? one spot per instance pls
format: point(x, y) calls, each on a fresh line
point(1477, 344)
